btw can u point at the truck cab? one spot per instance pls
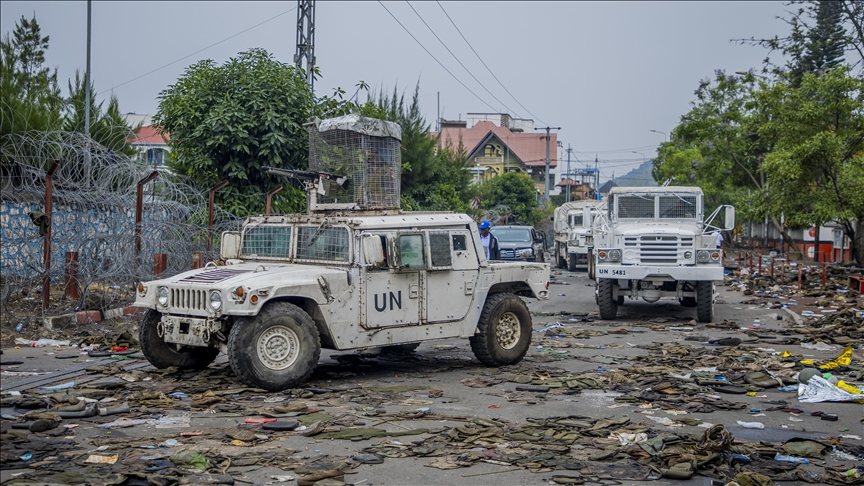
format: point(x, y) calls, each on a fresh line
point(652, 243)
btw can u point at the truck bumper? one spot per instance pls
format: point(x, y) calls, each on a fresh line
point(630, 272)
point(578, 250)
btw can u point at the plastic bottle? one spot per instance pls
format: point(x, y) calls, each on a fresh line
point(796, 460)
point(751, 425)
point(19, 327)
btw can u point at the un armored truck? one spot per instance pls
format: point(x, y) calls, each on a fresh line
point(573, 239)
point(656, 242)
point(352, 273)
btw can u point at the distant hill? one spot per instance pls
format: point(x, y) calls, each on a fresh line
point(638, 177)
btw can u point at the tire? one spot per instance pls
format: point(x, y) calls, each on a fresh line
point(400, 348)
point(688, 302)
point(279, 325)
point(571, 262)
point(562, 262)
point(165, 355)
point(705, 301)
point(591, 264)
point(607, 304)
point(504, 331)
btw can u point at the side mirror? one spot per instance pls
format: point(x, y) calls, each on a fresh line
point(586, 217)
point(230, 247)
point(730, 218)
point(373, 251)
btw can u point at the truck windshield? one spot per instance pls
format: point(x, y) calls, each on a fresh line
point(267, 241)
point(575, 220)
point(517, 235)
point(650, 206)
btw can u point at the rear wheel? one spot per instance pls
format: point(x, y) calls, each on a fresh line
point(165, 355)
point(605, 301)
point(705, 301)
point(504, 331)
point(571, 262)
point(277, 349)
point(591, 264)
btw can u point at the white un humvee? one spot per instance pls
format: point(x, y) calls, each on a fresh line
point(339, 279)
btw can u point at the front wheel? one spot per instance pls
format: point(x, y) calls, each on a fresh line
point(504, 331)
point(705, 301)
point(277, 349)
point(165, 355)
point(605, 301)
point(571, 262)
point(591, 264)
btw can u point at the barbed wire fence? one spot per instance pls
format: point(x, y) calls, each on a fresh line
point(94, 205)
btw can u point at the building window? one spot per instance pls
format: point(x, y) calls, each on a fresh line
point(155, 157)
point(491, 151)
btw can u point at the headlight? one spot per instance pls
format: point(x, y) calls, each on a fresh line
point(688, 254)
point(162, 298)
point(526, 253)
point(142, 290)
point(215, 300)
point(614, 255)
point(703, 256)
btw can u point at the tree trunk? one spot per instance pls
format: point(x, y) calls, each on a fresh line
point(794, 251)
point(857, 238)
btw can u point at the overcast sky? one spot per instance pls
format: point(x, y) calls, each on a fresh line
point(605, 72)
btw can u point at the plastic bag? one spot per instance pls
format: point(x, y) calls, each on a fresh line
point(819, 389)
point(819, 346)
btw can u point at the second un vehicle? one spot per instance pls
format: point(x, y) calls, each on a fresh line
point(354, 272)
point(655, 242)
point(573, 238)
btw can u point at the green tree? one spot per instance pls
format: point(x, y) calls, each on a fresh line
point(226, 122)
point(826, 41)
point(30, 96)
point(433, 179)
point(107, 129)
point(816, 164)
point(517, 192)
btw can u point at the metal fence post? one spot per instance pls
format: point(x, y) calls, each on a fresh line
point(270, 198)
point(71, 287)
point(139, 211)
point(46, 250)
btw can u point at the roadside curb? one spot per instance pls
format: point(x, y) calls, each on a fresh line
point(84, 317)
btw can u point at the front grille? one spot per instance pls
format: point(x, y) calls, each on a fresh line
point(508, 254)
point(658, 249)
point(188, 299)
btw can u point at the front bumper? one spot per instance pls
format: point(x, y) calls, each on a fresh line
point(632, 272)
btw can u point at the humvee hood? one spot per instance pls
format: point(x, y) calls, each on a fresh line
point(259, 272)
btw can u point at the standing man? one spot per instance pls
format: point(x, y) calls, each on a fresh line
point(490, 243)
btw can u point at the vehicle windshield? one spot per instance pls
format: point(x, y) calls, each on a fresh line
point(515, 235)
point(267, 241)
point(651, 206)
point(576, 220)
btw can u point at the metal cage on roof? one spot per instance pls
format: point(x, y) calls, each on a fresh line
point(366, 150)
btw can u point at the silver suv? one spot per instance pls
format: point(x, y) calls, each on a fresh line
point(518, 242)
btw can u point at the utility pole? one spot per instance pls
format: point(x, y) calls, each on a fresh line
point(87, 95)
point(546, 174)
point(596, 177)
point(568, 172)
point(438, 121)
point(306, 38)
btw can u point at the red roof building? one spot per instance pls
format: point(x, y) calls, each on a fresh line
point(151, 144)
point(494, 150)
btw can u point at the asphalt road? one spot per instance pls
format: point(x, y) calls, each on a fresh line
point(443, 364)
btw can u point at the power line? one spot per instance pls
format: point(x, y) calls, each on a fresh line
point(457, 59)
point(433, 57)
point(487, 67)
point(198, 51)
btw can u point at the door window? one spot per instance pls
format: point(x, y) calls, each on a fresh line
point(412, 254)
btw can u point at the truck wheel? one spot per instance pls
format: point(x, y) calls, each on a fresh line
point(165, 355)
point(275, 350)
point(705, 301)
point(608, 304)
point(504, 331)
point(400, 348)
point(571, 264)
point(591, 264)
